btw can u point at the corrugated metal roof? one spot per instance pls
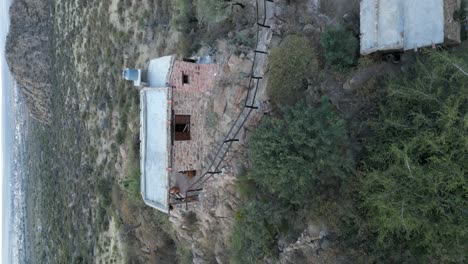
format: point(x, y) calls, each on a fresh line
point(159, 71)
point(401, 24)
point(155, 146)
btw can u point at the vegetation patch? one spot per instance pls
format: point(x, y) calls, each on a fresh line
point(415, 183)
point(132, 180)
point(254, 232)
point(402, 203)
point(306, 151)
point(340, 47)
point(294, 169)
point(184, 255)
point(211, 11)
point(204, 22)
point(291, 66)
point(184, 18)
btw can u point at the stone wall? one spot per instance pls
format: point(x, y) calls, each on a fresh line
point(192, 99)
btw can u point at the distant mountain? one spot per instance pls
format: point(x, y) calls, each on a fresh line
point(28, 54)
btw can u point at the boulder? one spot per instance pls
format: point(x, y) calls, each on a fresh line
point(123, 152)
point(220, 104)
point(372, 72)
point(238, 65)
point(131, 127)
point(309, 29)
point(118, 167)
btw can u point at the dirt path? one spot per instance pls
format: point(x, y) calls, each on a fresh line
point(265, 37)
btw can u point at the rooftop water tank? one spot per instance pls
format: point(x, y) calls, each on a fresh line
point(131, 74)
point(134, 75)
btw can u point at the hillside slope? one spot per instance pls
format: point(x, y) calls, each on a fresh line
point(27, 54)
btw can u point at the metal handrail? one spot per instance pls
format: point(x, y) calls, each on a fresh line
point(229, 136)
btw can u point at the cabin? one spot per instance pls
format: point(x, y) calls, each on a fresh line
point(399, 25)
point(173, 104)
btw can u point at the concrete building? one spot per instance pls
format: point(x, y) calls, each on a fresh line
point(391, 25)
point(173, 119)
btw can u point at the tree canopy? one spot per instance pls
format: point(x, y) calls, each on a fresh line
point(414, 190)
point(254, 231)
point(290, 66)
point(340, 46)
point(301, 154)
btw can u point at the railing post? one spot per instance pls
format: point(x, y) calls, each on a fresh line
point(251, 107)
point(195, 190)
point(259, 51)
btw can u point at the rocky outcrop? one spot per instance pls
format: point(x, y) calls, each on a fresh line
point(28, 54)
point(315, 245)
point(206, 226)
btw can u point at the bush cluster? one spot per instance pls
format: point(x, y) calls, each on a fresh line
point(405, 201)
point(291, 64)
point(340, 47)
point(305, 150)
point(415, 185)
point(296, 160)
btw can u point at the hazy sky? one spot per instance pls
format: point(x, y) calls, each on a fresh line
point(3, 180)
point(4, 21)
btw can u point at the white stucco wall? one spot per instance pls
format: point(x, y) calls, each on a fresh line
point(401, 24)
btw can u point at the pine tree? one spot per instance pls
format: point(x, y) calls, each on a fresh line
point(415, 190)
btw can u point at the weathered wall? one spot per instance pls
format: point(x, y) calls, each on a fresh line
point(191, 99)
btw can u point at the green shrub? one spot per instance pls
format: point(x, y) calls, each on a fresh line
point(208, 36)
point(305, 153)
point(246, 187)
point(212, 120)
point(184, 255)
point(254, 231)
point(120, 136)
point(101, 215)
point(340, 46)
point(132, 182)
point(210, 11)
point(184, 18)
point(414, 192)
point(184, 46)
point(104, 188)
point(291, 64)
point(244, 38)
point(124, 117)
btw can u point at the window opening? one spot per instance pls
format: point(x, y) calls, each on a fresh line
point(182, 127)
point(189, 60)
point(185, 78)
point(189, 173)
